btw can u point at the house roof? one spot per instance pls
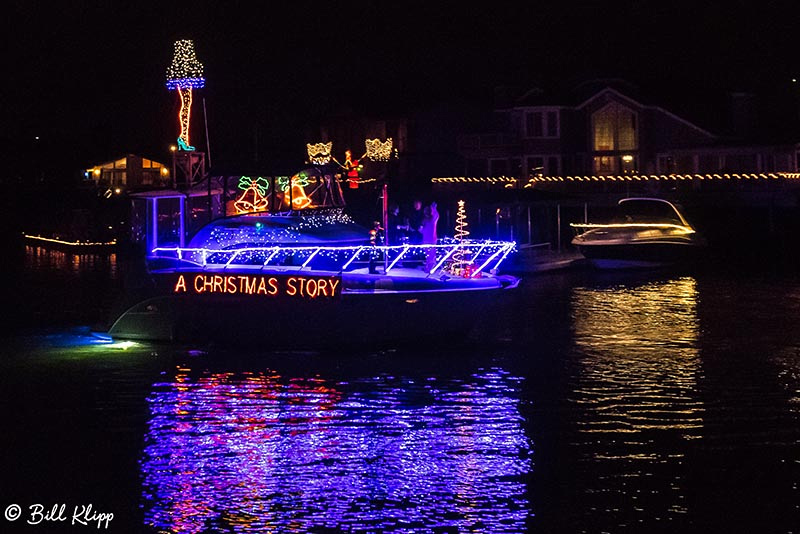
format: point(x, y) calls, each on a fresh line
point(616, 95)
point(768, 114)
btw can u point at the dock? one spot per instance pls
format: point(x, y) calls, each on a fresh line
point(531, 260)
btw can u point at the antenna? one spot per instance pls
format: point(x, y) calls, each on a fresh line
point(208, 141)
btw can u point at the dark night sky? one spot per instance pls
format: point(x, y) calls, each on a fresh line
point(88, 77)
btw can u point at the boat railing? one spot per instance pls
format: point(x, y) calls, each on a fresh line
point(469, 258)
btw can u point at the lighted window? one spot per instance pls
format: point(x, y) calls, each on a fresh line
point(605, 165)
point(614, 128)
point(628, 164)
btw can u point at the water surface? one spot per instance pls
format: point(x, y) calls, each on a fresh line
point(635, 402)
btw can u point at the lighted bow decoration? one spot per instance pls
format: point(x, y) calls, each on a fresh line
point(185, 73)
point(378, 150)
point(254, 197)
point(319, 153)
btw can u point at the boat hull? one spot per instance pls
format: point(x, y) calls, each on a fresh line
point(370, 311)
point(639, 255)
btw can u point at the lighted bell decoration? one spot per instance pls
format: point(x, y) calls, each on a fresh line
point(254, 195)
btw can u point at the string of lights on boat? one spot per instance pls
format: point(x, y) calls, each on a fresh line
point(483, 255)
point(511, 181)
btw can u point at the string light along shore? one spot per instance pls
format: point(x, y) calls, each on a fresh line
point(184, 74)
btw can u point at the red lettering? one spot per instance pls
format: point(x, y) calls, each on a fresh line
point(311, 288)
point(322, 284)
point(251, 285)
point(181, 285)
point(293, 286)
point(262, 286)
point(208, 283)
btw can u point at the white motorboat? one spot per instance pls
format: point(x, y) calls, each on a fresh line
point(643, 233)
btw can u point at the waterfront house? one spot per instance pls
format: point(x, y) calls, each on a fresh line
point(128, 172)
point(599, 129)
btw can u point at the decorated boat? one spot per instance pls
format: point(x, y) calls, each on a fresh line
point(643, 233)
point(285, 266)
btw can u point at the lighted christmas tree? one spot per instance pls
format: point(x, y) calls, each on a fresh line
point(461, 262)
point(185, 74)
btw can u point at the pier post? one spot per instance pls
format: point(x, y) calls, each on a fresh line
point(530, 233)
point(558, 227)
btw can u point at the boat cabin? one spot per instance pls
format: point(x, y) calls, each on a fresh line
point(170, 218)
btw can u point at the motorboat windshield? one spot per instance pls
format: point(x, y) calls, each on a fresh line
point(648, 211)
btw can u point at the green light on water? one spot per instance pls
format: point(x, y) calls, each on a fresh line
point(123, 345)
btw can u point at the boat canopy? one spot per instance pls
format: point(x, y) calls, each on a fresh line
point(325, 227)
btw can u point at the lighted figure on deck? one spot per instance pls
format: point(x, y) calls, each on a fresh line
point(351, 166)
point(185, 74)
point(376, 150)
point(254, 198)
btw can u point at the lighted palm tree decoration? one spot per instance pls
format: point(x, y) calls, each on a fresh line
point(185, 74)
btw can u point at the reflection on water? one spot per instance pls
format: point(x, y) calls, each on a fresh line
point(54, 288)
point(43, 259)
point(658, 403)
point(259, 450)
point(636, 386)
